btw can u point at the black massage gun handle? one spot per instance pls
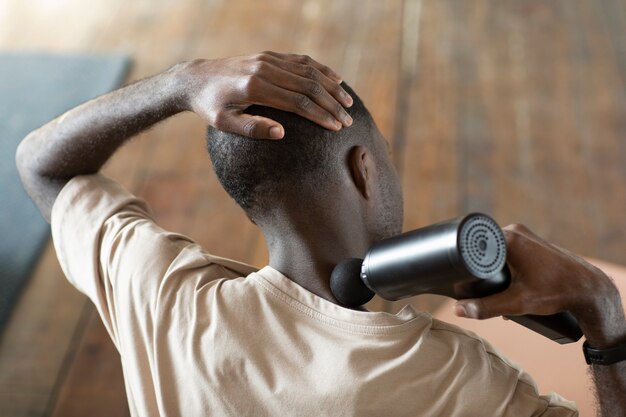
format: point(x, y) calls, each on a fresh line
point(561, 327)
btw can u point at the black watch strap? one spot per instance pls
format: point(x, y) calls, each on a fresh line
point(604, 356)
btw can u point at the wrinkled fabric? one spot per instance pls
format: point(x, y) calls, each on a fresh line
point(202, 335)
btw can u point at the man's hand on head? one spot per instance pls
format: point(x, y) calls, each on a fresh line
point(220, 90)
point(80, 141)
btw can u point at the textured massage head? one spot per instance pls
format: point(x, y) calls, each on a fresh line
point(347, 285)
point(481, 246)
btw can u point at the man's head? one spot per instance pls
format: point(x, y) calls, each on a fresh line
point(313, 171)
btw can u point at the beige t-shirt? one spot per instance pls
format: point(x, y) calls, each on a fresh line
point(201, 335)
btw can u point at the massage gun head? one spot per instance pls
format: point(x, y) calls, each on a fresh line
point(346, 283)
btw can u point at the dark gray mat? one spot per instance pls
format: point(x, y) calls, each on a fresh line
point(35, 88)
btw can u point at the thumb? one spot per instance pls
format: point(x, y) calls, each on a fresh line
point(500, 304)
point(255, 127)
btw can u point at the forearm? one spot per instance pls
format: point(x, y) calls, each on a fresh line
point(604, 326)
point(80, 141)
point(610, 383)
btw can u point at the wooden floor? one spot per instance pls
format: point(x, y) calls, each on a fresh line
point(516, 108)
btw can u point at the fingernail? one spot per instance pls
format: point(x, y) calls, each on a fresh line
point(338, 124)
point(348, 99)
point(459, 310)
point(471, 311)
point(276, 132)
point(347, 119)
point(467, 310)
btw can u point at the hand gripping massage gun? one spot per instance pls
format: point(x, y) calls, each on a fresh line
point(459, 258)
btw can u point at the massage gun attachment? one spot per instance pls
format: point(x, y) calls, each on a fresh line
point(460, 258)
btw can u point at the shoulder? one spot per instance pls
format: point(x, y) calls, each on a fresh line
point(479, 349)
point(486, 363)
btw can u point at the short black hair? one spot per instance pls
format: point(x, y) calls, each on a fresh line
point(256, 172)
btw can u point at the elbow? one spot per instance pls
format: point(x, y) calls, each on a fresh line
point(30, 156)
point(25, 158)
point(21, 158)
point(41, 188)
point(33, 183)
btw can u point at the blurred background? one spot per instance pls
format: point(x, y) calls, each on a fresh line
point(516, 108)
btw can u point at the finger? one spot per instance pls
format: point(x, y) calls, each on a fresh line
point(255, 127)
point(312, 73)
point(307, 60)
point(294, 102)
point(515, 233)
point(500, 304)
point(521, 242)
point(315, 91)
point(522, 230)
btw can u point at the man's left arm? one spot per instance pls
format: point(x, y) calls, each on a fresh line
point(546, 280)
point(80, 141)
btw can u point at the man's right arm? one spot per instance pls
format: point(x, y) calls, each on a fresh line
point(546, 280)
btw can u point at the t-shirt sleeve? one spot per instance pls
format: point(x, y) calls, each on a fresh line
point(110, 249)
point(496, 383)
point(550, 405)
point(525, 398)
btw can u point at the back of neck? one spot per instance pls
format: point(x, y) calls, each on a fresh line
point(307, 255)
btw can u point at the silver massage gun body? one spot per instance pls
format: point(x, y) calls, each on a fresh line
point(460, 258)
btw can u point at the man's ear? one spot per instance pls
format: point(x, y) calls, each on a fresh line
point(362, 170)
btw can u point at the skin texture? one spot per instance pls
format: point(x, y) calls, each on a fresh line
point(307, 243)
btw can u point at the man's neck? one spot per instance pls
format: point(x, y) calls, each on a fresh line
point(310, 262)
point(305, 270)
point(307, 239)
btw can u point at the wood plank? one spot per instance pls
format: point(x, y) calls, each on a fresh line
point(95, 369)
point(35, 344)
point(603, 86)
point(430, 164)
point(427, 155)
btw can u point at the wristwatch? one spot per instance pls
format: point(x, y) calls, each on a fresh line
point(604, 356)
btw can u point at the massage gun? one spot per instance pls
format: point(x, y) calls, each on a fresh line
point(459, 258)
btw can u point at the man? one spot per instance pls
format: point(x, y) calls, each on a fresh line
point(197, 338)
